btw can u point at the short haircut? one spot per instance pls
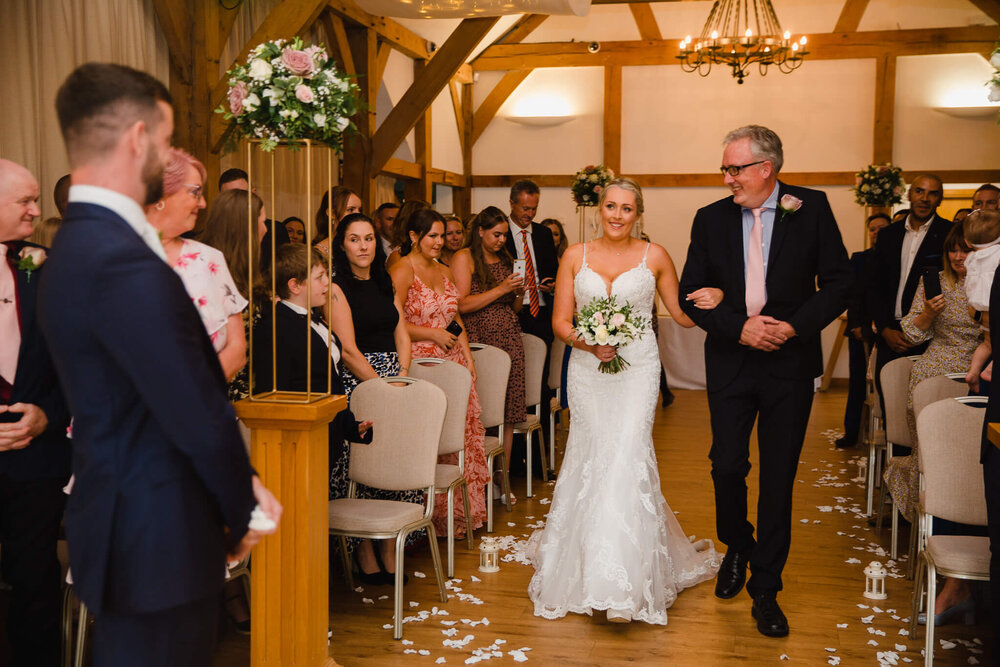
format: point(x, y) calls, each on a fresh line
point(98, 102)
point(876, 216)
point(234, 174)
point(985, 187)
point(765, 144)
point(982, 226)
point(523, 185)
point(61, 194)
point(290, 263)
point(385, 207)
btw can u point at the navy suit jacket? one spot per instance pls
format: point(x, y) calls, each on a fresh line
point(545, 251)
point(35, 381)
point(806, 252)
point(887, 263)
point(161, 469)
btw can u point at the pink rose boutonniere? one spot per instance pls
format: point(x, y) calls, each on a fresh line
point(31, 260)
point(789, 204)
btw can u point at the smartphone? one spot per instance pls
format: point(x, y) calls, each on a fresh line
point(455, 329)
point(519, 267)
point(932, 283)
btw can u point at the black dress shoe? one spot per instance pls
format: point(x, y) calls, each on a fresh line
point(732, 575)
point(771, 622)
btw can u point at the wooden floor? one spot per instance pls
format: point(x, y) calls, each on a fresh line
point(822, 596)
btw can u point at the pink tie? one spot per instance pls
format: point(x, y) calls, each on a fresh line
point(10, 330)
point(755, 292)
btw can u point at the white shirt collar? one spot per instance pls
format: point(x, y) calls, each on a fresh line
point(295, 308)
point(124, 206)
point(923, 228)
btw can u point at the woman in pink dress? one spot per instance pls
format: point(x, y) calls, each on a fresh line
point(427, 294)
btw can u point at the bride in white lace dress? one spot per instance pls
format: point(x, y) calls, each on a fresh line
point(611, 541)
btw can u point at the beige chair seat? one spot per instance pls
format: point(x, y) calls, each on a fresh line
point(966, 553)
point(372, 516)
point(530, 422)
point(446, 474)
point(491, 443)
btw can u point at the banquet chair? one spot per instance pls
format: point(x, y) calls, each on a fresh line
point(873, 433)
point(492, 374)
point(930, 391)
point(895, 384)
point(950, 433)
point(456, 382)
point(535, 351)
point(557, 352)
point(407, 423)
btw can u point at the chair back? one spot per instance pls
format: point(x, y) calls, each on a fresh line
point(535, 350)
point(937, 389)
point(950, 433)
point(492, 374)
point(895, 384)
point(456, 382)
point(407, 423)
point(558, 350)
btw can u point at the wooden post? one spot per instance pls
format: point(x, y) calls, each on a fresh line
point(289, 598)
point(613, 118)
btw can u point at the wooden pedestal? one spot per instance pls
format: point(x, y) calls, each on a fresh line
point(289, 593)
point(993, 434)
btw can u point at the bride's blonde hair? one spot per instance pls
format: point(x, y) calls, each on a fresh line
point(628, 185)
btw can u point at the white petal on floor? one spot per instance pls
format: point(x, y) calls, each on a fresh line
point(803, 520)
point(424, 651)
point(410, 650)
point(876, 610)
point(518, 655)
point(359, 589)
point(383, 597)
point(783, 656)
point(414, 604)
point(972, 660)
point(440, 661)
point(833, 660)
point(831, 650)
point(862, 606)
point(407, 642)
point(852, 561)
point(448, 623)
point(450, 632)
point(387, 626)
point(475, 578)
point(872, 642)
point(946, 645)
point(900, 647)
point(511, 524)
point(368, 600)
point(841, 625)
point(904, 632)
point(867, 619)
point(419, 575)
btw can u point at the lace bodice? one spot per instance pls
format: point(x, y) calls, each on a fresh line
point(636, 285)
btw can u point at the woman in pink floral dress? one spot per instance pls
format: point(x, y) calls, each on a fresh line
point(429, 299)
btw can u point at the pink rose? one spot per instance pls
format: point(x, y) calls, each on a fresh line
point(317, 53)
point(303, 93)
point(599, 317)
point(237, 94)
point(598, 189)
point(790, 204)
point(298, 62)
point(617, 320)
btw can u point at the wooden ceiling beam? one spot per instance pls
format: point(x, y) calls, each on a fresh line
point(488, 107)
point(826, 46)
point(336, 37)
point(989, 7)
point(456, 105)
point(175, 22)
point(426, 86)
point(850, 15)
point(403, 39)
point(522, 28)
point(642, 12)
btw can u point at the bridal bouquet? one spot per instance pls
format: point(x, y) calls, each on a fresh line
point(289, 90)
point(879, 185)
point(605, 322)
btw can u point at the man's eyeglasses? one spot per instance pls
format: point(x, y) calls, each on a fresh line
point(735, 169)
point(194, 190)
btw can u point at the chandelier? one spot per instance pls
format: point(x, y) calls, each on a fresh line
point(739, 34)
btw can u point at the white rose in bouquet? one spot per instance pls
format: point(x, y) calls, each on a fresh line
point(261, 70)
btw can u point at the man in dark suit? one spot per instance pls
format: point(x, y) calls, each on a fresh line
point(767, 247)
point(990, 458)
point(533, 243)
point(34, 450)
point(164, 490)
point(905, 248)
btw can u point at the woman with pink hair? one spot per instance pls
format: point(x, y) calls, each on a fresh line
point(202, 269)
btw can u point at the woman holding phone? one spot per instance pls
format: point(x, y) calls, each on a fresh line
point(491, 286)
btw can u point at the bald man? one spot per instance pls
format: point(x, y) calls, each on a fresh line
point(34, 450)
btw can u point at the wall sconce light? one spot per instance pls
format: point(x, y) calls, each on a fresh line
point(977, 112)
point(540, 121)
point(542, 110)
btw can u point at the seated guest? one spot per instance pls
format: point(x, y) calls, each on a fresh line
point(295, 229)
point(558, 235)
point(489, 296)
point(202, 268)
point(369, 323)
point(227, 230)
point(336, 203)
point(860, 336)
point(409, 207)
point(945, 321)
point(60, 194)
point(234, 179)
point(385, 223)
point(35, 461)
point(454, 238)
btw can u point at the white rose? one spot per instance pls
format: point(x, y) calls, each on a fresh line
point(994, 92)
point(342, 85)
point(995, 59)
point(260, 70)
point(320, 119)
point(341, 124)
point(613, 340)
point(251, 102)
point(601, 335)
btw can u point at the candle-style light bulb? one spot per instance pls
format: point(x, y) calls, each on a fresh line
point(795, 46)
point(748, 33)
point(803, 40)
point(715, 34)
point(788, 34)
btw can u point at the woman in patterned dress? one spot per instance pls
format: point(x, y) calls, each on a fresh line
point(426, 292)
point(489, 298)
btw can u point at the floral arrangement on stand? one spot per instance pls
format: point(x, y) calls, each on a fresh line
point(290, 90)
point(994, 83)
point(589, 183)
point(879, 185)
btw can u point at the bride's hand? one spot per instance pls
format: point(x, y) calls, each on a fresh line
point(706, 298)
point(605, 352)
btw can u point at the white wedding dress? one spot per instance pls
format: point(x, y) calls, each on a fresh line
point(610, 540)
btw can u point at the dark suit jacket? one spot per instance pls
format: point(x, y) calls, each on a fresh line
point(161, 468)
point(545, 251)
point(806, 250)
point(857, 308)
point(886, 264)
point(993, 406)
point(291, 369)
point(35, 381)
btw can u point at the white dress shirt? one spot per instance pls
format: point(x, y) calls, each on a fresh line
point(516, 230)
point(912, 238)
point(319, 328)
point(124, 206)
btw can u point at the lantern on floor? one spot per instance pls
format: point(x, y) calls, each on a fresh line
point(489, 555)
point(875, 581)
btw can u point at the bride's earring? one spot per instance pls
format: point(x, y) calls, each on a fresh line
point(160, 205)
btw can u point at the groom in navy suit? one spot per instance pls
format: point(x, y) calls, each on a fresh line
point(164, 488)
point(776, 252)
